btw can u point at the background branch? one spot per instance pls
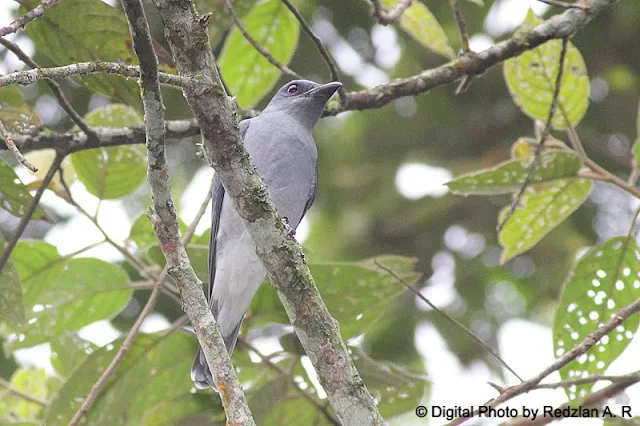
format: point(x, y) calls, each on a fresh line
point(34, 13)
point(386, 17)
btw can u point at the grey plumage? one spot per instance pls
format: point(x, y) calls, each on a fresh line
point(283, 151)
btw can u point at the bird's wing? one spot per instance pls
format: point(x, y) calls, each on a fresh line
point(312, 194)
point(217, 197)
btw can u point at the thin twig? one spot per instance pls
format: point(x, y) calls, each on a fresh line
point(4, 135)
point(606, 176)
point(22, 394)
point(333, 69)
point(583, 381)
point(124, 349)
point(83, 68)
point(595, 399)
point(462, 26)
point(252, 41)
point(565, 5)
point(543, 137)
point(55, 89)
point(587, 343)
point(386, 17)
point(448, 317)
point(30, 210)
point(266, 360)
point(34, 13)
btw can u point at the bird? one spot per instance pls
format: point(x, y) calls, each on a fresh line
point(281, 146)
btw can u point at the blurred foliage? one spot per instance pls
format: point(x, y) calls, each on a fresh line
point(359, 213)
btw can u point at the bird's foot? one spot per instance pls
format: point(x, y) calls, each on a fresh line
point(290, 230)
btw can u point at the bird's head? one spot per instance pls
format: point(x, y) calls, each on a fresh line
point(304, 100)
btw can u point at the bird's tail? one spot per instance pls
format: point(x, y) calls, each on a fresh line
point(200, 373)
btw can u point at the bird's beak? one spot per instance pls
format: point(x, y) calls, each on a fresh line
point(325, 91)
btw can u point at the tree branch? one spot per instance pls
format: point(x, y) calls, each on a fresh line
point(22, 394)
point(34, 13)
point(281, 255)
point(82, 68)
point(165, 225)
point(386, 17)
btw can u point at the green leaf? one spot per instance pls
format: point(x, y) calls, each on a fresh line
point(245, 71)
point(110, 173)
point(11, 305)
point(32, 382)
point(262, 400)
point(370, 290)
point(396, 389)
point(15, 114)
point(418, 21)
point(296, 411)
point(155, 369)
point(63, 294)
point(603, 281)
point(181, 410)
point(87, 31)
point(198, 255)
point(531, 78)
point(509, 176)
point(636, 146)
point(68, 351)
point(541, 208)
point(14, 195)
point(142, 235)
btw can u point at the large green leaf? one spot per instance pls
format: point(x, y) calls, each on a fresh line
point(68, 351)
point(32, 382)
point(395, 389)
point(531, 80)
point(245, 71)
point(15, 114)
point(14, 195)
point(155, 369)
point(418, 21)
point(110, 173)
point(511, 175)
point(540, 209)
point(355, 293)
point(63, 294)
point(11, 307)
point(87, 31)
point(604, 281)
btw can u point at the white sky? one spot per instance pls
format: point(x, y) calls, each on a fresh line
point(526, 346)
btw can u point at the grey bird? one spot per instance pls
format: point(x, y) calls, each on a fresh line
point(284, 153)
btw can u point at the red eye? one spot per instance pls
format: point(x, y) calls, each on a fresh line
point(293, 88)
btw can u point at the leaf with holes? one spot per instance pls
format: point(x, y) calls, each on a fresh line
point(63, 294)
point(355, 293)
point(418, 21)
point(531, 79)
point(510, 175)
point(245, 71)
point(155, 369)
point(110, 173)
point(14, 195)
point(540, 209)
point(605, 280)
point(15, 114)
point(11, 306)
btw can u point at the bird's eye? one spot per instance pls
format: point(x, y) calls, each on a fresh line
point(293, 88)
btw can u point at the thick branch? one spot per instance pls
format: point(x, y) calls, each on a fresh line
point(281, 255)
point(165, 225)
